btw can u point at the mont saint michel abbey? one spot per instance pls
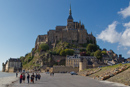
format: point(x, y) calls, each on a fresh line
point(73, 32)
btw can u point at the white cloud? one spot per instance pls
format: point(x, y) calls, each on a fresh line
point(128, 52)
point(125, 38)
point(110, 34)
point(125, 12)
point(127, 25)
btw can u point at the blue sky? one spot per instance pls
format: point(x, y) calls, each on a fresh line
point(21, 21)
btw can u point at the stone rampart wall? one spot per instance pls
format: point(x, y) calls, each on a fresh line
point(58, 69)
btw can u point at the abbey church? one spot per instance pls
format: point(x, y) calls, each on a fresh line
point(73, 32)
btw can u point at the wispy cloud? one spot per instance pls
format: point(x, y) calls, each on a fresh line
point(121, 47)
point(125, 12)
point(118, 47)
point(125, 48)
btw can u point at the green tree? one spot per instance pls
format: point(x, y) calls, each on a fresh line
point(53, 52)
point(67, 45)
point(62, 53)
point(22, 58)
point(26, 54)
point(98, 54)
point(43, 47)
point(91, 47)
point(84, 45)
point(104, 52)
point(88, 53)
point(69, 51)
point(97, 46)
point(58, 51)
point(74, 46)
point(92, 54)
point(32, 49)
point(30, 58)
point(82, 50)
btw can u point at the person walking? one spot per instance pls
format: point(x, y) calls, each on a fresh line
point(39, 76)
point(53, 73)
point(36, 76)
point(28, 76)
point(16, 74)
point(21, 77)
point(32, 77)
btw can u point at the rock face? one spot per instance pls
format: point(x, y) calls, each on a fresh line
point(73, 32)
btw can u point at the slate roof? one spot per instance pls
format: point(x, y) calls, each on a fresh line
point(70, 17)
point(14, 60)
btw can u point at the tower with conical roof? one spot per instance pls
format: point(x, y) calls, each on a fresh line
point(70, 18)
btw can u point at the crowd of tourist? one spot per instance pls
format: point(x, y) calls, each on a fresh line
point(31, 78)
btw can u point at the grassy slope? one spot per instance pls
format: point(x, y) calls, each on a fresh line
point(106, 69)
point(123, 77)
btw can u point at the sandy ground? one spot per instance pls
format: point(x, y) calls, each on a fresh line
point(5, 81)
point(67, 80)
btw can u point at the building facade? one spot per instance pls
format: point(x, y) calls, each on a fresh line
point(73, 32)
point(12, 65)
point(74, 61)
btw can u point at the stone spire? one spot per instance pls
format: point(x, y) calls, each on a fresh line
point(70, 18)
point(70, 13)
point(70, 10)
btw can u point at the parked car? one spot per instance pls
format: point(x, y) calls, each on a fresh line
point(73, 73)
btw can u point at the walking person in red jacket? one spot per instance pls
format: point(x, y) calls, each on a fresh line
point(21, 76)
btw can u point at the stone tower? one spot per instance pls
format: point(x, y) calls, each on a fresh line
point(82, 65)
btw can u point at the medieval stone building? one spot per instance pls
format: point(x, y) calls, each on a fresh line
point(12, 65)
point(73, 32)
point(90, 61)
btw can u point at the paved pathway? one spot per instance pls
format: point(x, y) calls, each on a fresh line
point(67, 80)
